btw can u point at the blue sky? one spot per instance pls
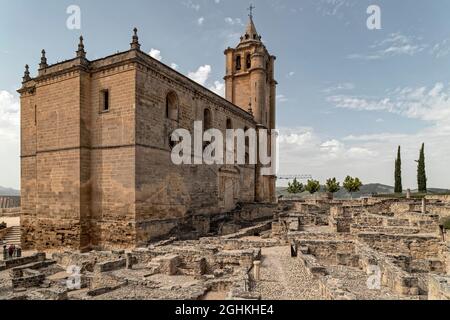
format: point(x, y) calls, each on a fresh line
point(347, 95)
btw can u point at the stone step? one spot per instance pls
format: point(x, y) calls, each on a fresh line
point(12, 237)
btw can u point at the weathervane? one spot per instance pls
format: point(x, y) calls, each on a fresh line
point(251, 10)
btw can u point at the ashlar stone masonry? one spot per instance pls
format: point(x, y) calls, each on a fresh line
point(95, 147)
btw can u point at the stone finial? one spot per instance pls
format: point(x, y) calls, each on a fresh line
point(26, 74)
point(43, 63)
point(250, 110)
point(80, 52)
point(135, 42)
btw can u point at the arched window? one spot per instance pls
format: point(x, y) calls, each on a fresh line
point(247, 147)
point(207, 119)
point(238, 63)
point(248, 61)
point(229, 124)
point(172, 106)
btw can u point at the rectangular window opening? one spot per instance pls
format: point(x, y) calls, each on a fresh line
point(105, 100)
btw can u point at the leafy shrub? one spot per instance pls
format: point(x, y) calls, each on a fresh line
point(446, 223)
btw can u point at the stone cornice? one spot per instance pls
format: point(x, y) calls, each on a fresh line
point(170, 74)
point(80, 64)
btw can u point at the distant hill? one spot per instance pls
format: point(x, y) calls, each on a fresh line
point(366, 190)
point(9, 192)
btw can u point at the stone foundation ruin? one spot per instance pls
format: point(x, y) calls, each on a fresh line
point(387, 249)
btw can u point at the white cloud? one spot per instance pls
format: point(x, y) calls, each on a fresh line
point(333, 7)
point(305, 152)
point(441, 49)
point(200, 21)
point(156, 54)
point(9, 139)
point(174, 66)
point(340, 87)
point(371, 156)
point(290, 74)
point(192, 5)
point(218, 88)
point(201, 75)
point(332, 146)
point(428, 104)
point(281, 98)
point(233, 21)
point(396, 44)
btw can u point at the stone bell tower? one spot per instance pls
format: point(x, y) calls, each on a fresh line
point(250, 84)
point(249, 80)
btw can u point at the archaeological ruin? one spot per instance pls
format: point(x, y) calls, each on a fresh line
point(365, 249)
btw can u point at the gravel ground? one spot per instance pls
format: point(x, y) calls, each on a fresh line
point(283, 277)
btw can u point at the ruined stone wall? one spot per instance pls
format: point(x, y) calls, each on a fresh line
point(416, 246)
point(443, 198)
point(7, 202)
point(392, 275)
point(439, 288)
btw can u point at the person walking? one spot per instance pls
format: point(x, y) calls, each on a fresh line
point(11, 251)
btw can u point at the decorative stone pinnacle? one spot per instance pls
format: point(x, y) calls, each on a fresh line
point(43, 63)
point(26, 74)
point(135, 43)
point(250, 110)
point(80, 52)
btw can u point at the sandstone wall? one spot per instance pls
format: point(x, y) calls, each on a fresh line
point(112, 157)
point(167, 194)
point(416, 246)
point(94, 178)
point(51, 164)
point(67, 143)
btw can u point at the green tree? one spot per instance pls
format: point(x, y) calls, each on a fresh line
point(332, 186)
point(295, 187)
point(421, 172)
point(398, 172)
point(352, 185)
point(312, 186)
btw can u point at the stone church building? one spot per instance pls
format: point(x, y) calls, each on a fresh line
point(96, 168)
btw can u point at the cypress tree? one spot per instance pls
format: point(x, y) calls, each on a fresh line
point(421, 172)
point(398, 172)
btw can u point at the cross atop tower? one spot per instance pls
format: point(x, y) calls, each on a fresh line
point(250, 9)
